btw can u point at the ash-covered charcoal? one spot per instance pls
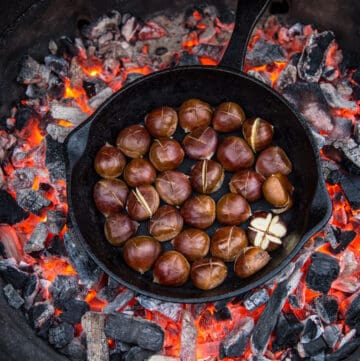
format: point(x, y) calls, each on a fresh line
point(136, 353)
point(31, 72)
point(58, 133)
point(40, 313)
point(99, 98)
point(89, 88)
point(327, 308)
point(109, 292)
point(287, 76)
point(328, 166)
point(68, 112)
point(64, 288)
point(121, 300)
point(55, 221)
point(12, 296)
point(331, 335)
point(312, 348)
point(23, 114)
point(55, 247)
point(11, 247)
point(54, 160)
point(74, 350)
point(235, 343)
point(58, 65)
point(61, 335)
point(352, 318)
point(10, 211)
point(344, 238)
point(212, 51)
point(331, 233)
point(357, 132)
point(188, 338)
point(37, 239)
point(311, 103)
point(334, 99)
point(342, 128)
point(67, 47)
point(105, 23)
point(313, 329)
point(322, 272)
point(265, 52)
point(143, 333)
point(188, 59)
point(222, 312)
point(151, 30)
point(329, 73)
point(31, 289)
point(261, 75)
point(345, 351)
point(130, 26)
point(208, 34)
point(32, 201)
point(13, 275)
point(312, 60)
point(73, 310)
point(256, 299)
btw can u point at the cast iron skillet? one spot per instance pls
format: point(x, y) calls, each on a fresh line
point(214, 85)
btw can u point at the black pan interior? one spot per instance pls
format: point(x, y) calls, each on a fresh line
point(214, 86)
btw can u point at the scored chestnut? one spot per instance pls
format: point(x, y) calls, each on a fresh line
point(248, 184)
point(194, 113)
point(174, 187)
point(208, 273)
point(207, 176)
point(249, 261)
point(227, 242)
point(232, 209)
point(141, 252)
point(199, 211)
point(142, 202)
point(235, 154)
point(273, 160)
point(166, 154)
point(138, 172)
point(134, 141)
point(171, 269)
point(161, 122)
point(119, 228)
point(201, 143)
point(258, 133)
point(109, 161)
point(166, 223)
point(110, 195)
point(228, 117)
point(192, 243)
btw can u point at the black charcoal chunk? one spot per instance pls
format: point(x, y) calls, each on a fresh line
point(31, 72)
point(327, 308)
point(55, 221)
point(64, 288)
point(331, 335)
point(14, 276)
point(10, 212)
point(74, 350)
point(264, 53)
point(58, 65)
point(61, 335)
point(344, 238)
point(287, 331)
point(345, 351)
point(212, 51)
point(314, 347)
point(12, 296)
point(56, 247)
point(146, 334)
point(40, 313)
point(121, 300)
point(188, 59)
point(352, 318)
point(37, 239)
point(89, 88)
point(55, 161)
point(23, 114)
point(222, 314)
point(32, 200)
point(313, 329)
point(256, 299)
point(322, 272)
point(287, 76)
point(31, 289)
point(335, 99)
point(161, 50)
point(73, 310)
point(137, 354)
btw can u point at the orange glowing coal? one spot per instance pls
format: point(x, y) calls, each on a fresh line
point(52, 266)
point(31, 133)
point(79, 96)
point(95, 304)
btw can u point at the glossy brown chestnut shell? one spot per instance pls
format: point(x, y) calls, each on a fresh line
point(109, 161)
point(161, 122)
point(110, 195)
point(140, 253)
point(193, 243)
point(142, 202)
point(248, 184)
point(228, 117)
point(171, 269)
point(232, 209)
point(134, 141)
point(119, 228)
point(199, 211)
point(273, 160)
point(166, 154)
point(277, 190)
point(194, 113)
point(174, 187)
point(207, 176)
point(249, 261)
point(258, 133)
point(208, 273)
point(201, 143)
point(138, 172)
point(166, 223)
point(235, 154)
point(227, 242)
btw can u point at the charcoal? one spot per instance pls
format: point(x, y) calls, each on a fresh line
point(188, 59)
point(161, 50)
point(235, 343)
point(64, 288)
point(137, 354)
point(313, 329)
point(151, 30)
point(327, 308)
point(72, 113)
point(342, 128)
point(54, 160)
point(327, 167)
point(287, 76)
point(74, 350)
point(355, 355)
point(11, 247)
point(357, 132)
point(312, 60)
point(10, 212)
point(121, 300)
point(322, 272)
point(329, 73)
point(256, 299)
point(14, 276)
point(188, 337)
point(261, 75)
point(222, 314)
point(105, 23)
point(61, 335)
point(130, 28)
point(334, 99)
point(143, 333)
point(349, 284)
point(344, 238)
point(31, 72)
point(58, 133)
point(350, 154)
point(347, 337)
point(163, 358)
point(58, 65)
point(55, 221)
point(314, 347)
point(132, 76)
point(40, 313)
point(99, 98)
point(109, 292)
point(212, 51)
point(23, 114)
point(264, 53)
point(55, 247)
point(73, 310)
point(309, 100)
point(331, 335)
point(22, 178)
point(67, 47)
point(32, 201)
point(31, 289)
point(37, 239)
point(352, 318)
point(89, 88)
point(12, 296)
point(57, 170)
point(345, 351)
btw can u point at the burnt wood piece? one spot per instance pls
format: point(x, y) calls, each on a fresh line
point(119, 301)
point(256, 299)
point(327, 308)
point(188, 338)
point(10, 211)
point(32, 200)
point(61, 335)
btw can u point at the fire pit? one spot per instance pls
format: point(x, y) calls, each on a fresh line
point(308, 311)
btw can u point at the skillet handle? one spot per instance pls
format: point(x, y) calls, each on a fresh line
point(247, 15)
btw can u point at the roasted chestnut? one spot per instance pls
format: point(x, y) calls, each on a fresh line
point(199, 211)
point(142, 202)
point(227, 242)
point(192, 243)
point(207, 176)
point(171, 269)
point(208, 273)
point(166, 223)
point(110, 195)
point(250, 260)
point(109, 161)
point(201, 143)
point(248, 184)
point(277, 190)
point(273, 160)
point(138, 172)
point(119, 228)
point(141, 252)
point(235, 154)
point(134, 141)
point(194, 113)
point(232, 209)
point(258, 133)
point(174, 187)
point(166, 154)
point(161, 122)
point(228, 117)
